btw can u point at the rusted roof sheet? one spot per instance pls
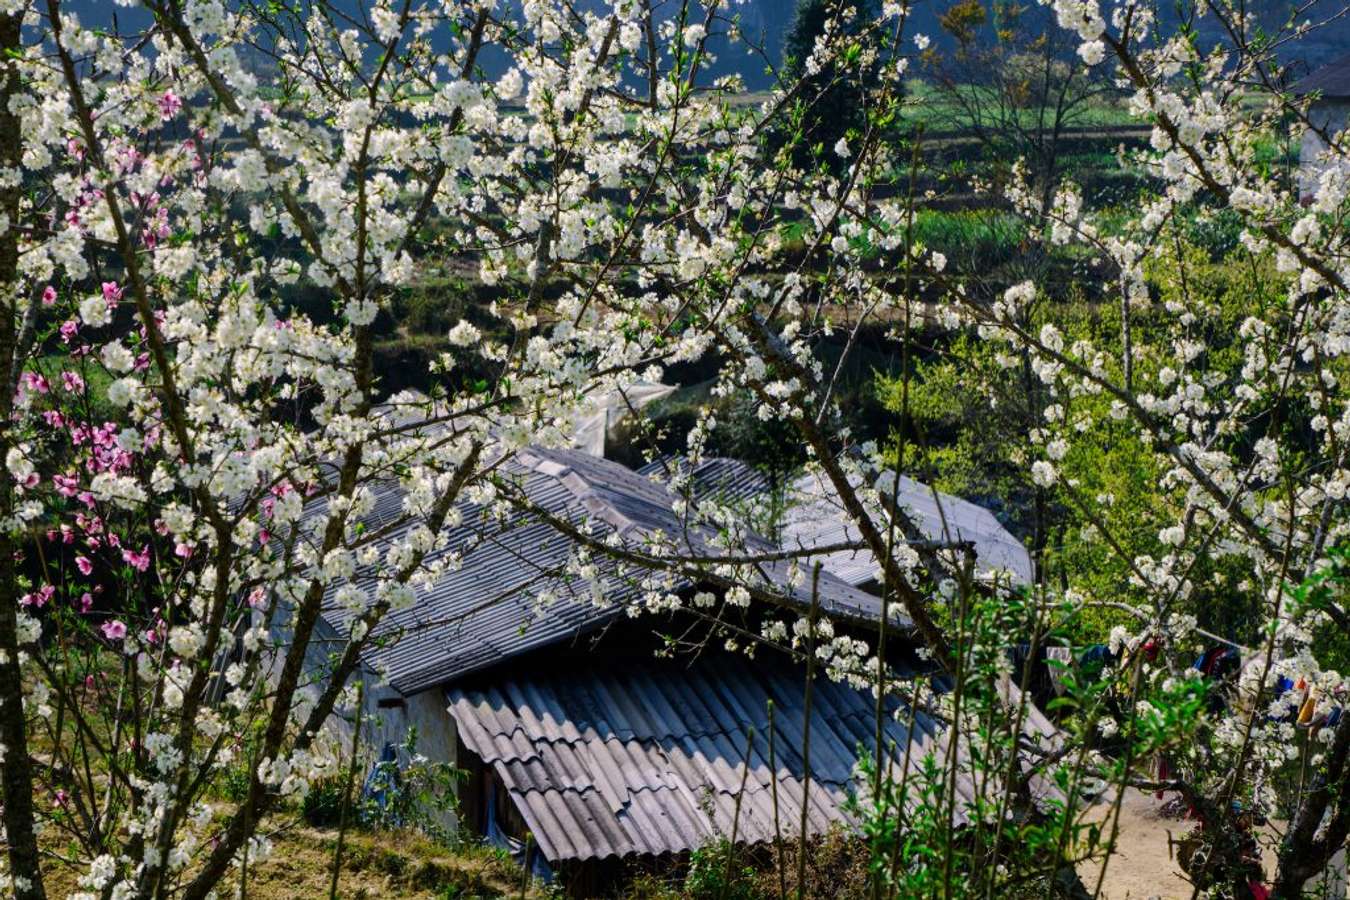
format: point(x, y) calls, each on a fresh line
point(649, 758)
point(491, 605)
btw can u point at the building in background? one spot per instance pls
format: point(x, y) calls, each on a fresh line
point(1328, 114)
point(594, 739)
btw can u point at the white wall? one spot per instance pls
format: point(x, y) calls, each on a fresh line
point(1332, 116)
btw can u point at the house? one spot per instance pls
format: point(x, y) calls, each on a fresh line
point(1329, 115)
point(812, 516)
point(575, 723)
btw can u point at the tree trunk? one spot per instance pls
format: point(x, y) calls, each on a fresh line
point(16, 770)
point(1314, 838)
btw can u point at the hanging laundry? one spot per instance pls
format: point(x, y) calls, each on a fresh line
point(1305, 712)
point(1219, 661)
point(1058, 661)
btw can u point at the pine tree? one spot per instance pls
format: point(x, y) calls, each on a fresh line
point(833, 98)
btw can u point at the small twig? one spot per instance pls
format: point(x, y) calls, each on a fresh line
point(347, 792)
point(773, 789)
point(525, 866)
point(736, 815)
point(806, 726)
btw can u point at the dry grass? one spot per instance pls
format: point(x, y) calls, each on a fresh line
point(376, 865)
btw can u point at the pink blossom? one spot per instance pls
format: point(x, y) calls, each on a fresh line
point(86, 602)
point(84, 565)
point(38, 598)
point(114, 629)
point(128, 158)
point(169, 105)
point(48, 295)
point(111, 293)
point(72, 381)
point(183, 550)
point(138, 561)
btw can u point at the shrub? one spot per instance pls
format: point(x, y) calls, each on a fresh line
point(716, 874)
point(322, 806)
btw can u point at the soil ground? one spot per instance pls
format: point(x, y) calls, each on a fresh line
point(1145, 866)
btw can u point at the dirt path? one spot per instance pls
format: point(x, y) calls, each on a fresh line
point(1143, 867)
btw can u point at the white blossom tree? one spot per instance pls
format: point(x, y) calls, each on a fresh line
point(192, 459)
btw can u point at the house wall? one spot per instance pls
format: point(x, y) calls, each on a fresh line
point(387, 715)
point(1332, 116)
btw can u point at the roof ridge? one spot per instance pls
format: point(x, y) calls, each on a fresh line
point(579, 486)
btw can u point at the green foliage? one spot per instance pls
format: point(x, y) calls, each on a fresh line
point(953, 427)
point(770, 443)
point(1216, 233)
point(322, 805)
point(1322, 591)
point(714, 874)
point(94, 396)
point(926, 838)
point(975, 420)
point(419, 794)
point(974, 240)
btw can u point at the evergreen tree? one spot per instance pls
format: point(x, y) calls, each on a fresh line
point(832, 99)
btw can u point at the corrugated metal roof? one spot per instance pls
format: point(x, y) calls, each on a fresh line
point(1332, 81)
point(489, 607)
point(649, 758)
point(814, 517)
point(718, 477)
